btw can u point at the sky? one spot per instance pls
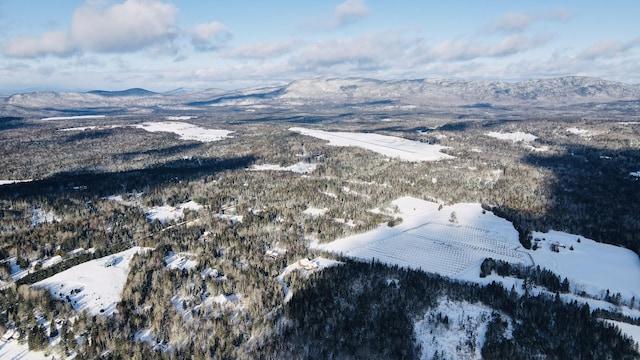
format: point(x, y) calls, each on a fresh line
point(161, 45)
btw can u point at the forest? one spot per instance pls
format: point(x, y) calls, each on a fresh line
point(563, 181)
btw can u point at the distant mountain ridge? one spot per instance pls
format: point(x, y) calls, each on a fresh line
point(552, 93)
point(128, 92)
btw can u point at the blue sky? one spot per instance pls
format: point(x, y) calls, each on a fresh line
point(166, 44)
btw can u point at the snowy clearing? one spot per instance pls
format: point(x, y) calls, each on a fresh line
point(168, 213)
point(391, 146)
point(514, 136)
point(315, 212)
point(581, 132)
point(186, 131)
point(92, 285)
point(80, 117)
point(632, 331)
point(591, 267)
point(300, 168)
point(8, 182)
point(39, 216)
point(447, 241)
point(181, 261)
point(455, 329)
point(13, 350)
point(305, 267)
point(455, 240)
point(180, 118)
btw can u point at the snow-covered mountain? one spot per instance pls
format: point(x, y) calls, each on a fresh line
point(433, 93)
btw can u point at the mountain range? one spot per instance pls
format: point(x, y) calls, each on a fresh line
point(574, 92)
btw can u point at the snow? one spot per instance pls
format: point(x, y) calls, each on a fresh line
point(39, 216)
point(91, 286)
point(300, 167)
point(513, 136)
point(632, 331)
point(635, 174)
point(448, 241)
point(180, 118)
point(168, 213)
point(8, 182)
point(181, 261)
point(581, 132)
point(80, 117)
point(305, 267)
point(314, 212)
point(390, 146)
point(461, 338)
point(591, 267)
point(14, 350)
point(454, 240)
point(186, 131)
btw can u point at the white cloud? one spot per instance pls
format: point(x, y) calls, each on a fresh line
point(264, 50)
point(57, 43)
point(210, 36)
point(519, 22)
point(129, 26)
point(464, 49)
point(370, 51)
point(350, 11)
point(608, 49)
point(345, 13)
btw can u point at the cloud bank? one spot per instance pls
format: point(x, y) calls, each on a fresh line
point(120, 28)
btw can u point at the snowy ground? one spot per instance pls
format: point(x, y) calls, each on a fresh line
point(80, 117)
point(181, 261)
point(391, 146)
point(8, 182)
point(300, 168)
point(186, 131)
point(305, 267)
point(454, 240)
point(448, 241)
point(167, 213)
point(592, 267)
point(91, 285)
point(39, 216)
point(460, 337)
point(13, 350)
point(632, 331)
point(514, 136)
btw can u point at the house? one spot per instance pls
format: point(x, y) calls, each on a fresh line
point(555, 246)
point(308, 264)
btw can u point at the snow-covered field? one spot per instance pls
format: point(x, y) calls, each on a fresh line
point(186, 131)
point(300, 168)
point(390, 146)
point(448, 241)
point(632, 331)
point(592, 267)
point(13, 350)
point(513, 136)
point(92, 286)
point(453, 242)
point(167, 213)
point(8, 182)
point(80, 117)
